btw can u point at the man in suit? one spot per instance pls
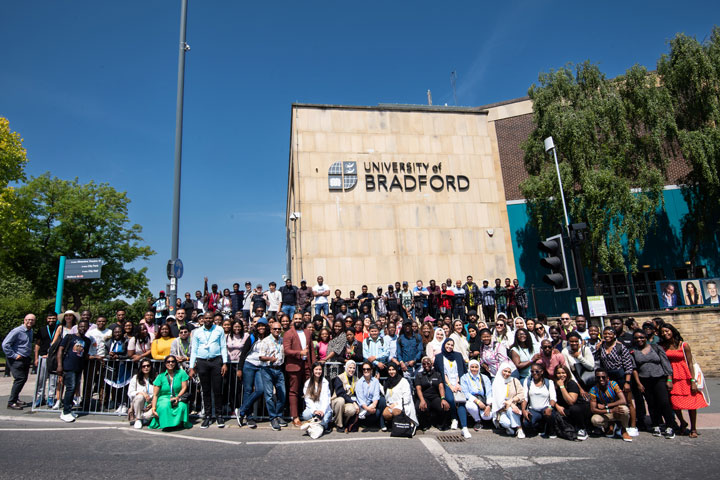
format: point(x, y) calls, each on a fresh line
point(299, 356)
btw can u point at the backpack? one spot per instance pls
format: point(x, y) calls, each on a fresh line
point(563, 428)
point(52, 364)
point(402, 425)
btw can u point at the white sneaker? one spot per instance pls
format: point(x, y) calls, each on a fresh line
point(520, 433)
point(138, 424)
point(76, 401)
point(466, 433)
point(633, 432)
point(56, 406)
point(510, 431)
point(67, 418)
point(123, 410)
point(454, 424)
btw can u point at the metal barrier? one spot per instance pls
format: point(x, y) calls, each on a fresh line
point(104, 389)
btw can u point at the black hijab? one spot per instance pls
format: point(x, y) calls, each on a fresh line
point(391, 382)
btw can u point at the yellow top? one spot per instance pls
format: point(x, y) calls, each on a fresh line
point(160, 348)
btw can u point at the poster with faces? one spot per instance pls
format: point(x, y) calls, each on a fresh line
point(710, 291)
point(692, 292)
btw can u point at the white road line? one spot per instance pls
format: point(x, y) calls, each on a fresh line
point(184, 437)
point(309, 441)
point(56, 418)
point(57, 429)
point(444, 458)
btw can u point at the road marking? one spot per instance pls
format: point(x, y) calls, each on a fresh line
point(82, 420)
point(311, 442)
point(444, 458)
point(184, 437)
point(57, 429)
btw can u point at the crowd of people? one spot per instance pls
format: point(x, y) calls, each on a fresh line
point(460, 357)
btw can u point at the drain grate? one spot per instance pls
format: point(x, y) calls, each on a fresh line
point(451, 438)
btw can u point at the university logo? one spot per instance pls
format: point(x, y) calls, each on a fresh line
point(342, 176)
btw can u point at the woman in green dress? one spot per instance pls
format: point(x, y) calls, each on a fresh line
point(168, 411)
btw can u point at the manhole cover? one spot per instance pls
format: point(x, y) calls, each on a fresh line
point(450, 438)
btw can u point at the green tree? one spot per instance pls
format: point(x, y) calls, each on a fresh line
point(59, 217)
point(13, 155)
point(691, 74)
point(611, 144)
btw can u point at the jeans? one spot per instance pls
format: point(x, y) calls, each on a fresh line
point(45, 379)
point(251, 378)
point(323, 307)
point(70, 380)
point(211, 382)
point(327, 416)
point(457, 410)
point(19, 368)
point(536, 419)
point(289, 310)
point(378, 413)
point(273, 377)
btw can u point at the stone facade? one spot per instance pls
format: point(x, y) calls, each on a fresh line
point(449, 219)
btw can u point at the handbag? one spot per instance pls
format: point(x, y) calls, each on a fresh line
point(699, 376)
point(402, 425)
point(459, 397)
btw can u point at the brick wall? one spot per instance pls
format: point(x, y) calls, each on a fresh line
point(700, 329)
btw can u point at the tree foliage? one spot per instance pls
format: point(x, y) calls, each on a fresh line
point(691, 74)
point(610, 136)
point(54, 217)
point(13, 155)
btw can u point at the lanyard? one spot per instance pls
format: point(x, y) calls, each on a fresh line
point(478, 385)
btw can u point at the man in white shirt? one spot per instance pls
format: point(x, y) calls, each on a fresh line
point(272, 357)
point(247, 301)
point(274, 300)
point(321, 292)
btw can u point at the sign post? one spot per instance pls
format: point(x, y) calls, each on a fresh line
point(75, 269)
point(60, 285)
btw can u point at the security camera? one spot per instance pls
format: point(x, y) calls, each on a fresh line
point(293, 217)
point(187, 47)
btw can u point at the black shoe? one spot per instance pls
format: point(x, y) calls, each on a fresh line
point(274, 424)
point(14, 406)
point(206, 422)
point(220, 422)
point(251, 423)
point(282, 422)
point(340, 429)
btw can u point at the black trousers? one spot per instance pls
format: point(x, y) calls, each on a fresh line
point(208, 371)
point(658, 399)
point(434, 415)
point(489, 313)
point(19, 368)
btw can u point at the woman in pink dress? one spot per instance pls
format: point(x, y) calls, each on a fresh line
point(684, 394)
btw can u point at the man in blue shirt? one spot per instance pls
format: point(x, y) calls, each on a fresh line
point(376, 349)
point(409, 351)
point(208, 356)
point(18, 348)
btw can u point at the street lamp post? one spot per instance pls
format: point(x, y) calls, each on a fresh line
point(184, 47)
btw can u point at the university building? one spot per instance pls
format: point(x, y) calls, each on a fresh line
point(405, 192)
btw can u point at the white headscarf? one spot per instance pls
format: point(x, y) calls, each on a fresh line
point(436, 345)
point(499, 386)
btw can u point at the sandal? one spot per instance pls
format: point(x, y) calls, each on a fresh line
point(693, 434)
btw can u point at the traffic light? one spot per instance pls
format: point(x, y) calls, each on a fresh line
point(555, 261)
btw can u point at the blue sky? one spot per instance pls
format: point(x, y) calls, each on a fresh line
point(91, 87)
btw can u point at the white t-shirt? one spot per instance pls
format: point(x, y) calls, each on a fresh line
point(274, 299)
point(539, 398)
point(321, 300)
point(303, 340)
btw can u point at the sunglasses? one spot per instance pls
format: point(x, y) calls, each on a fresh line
point(170, 362)
point(145, 366)
point(275, 328)
point(367, 369)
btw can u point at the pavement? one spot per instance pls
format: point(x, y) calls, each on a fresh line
point(39, 445)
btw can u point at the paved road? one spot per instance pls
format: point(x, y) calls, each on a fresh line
point(38, 446)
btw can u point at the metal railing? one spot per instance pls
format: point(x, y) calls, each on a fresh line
point(104, 389)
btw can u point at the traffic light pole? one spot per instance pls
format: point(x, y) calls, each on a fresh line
point(580, 274)
point(572, 236)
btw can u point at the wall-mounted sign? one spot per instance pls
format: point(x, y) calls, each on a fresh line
point(395, 176)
